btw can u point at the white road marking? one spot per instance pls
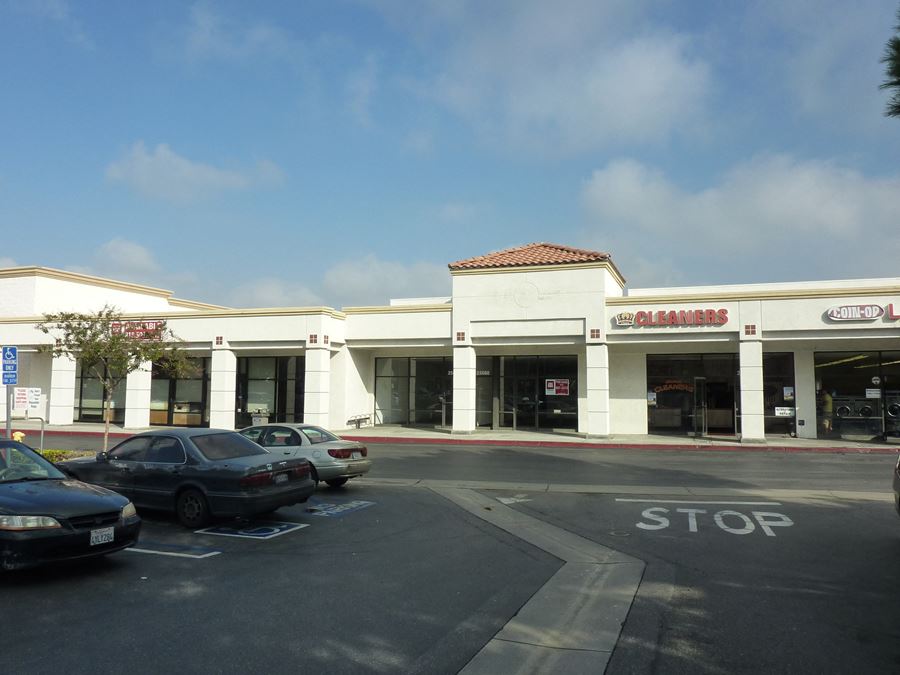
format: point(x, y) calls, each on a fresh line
point(695, 501)
point(513, 500)
point(172, 553)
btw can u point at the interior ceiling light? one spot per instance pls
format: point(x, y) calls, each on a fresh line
point(875, 365)
point(847, 360)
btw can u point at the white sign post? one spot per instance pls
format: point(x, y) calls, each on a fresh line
point(10, 362)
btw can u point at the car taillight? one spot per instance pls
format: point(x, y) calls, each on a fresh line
point(340, 453)
point(301, 470)
point(258, 479)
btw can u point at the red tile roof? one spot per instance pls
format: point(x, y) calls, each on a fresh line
point(541, 253)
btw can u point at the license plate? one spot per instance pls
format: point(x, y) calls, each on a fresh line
point(104, 535)
point(281, 478)
point(356, 455)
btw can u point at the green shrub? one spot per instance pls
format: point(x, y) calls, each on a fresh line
point(60, 455)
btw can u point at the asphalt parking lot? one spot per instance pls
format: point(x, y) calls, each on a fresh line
point(746, 585)
point(365, 579)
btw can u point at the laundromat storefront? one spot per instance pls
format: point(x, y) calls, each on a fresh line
point(858, 394)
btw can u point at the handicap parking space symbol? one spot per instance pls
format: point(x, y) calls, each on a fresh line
point(317, 508)
point(257, 530)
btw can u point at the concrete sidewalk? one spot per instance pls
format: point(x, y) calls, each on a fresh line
point(502, 437)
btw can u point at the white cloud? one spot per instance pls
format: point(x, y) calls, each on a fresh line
point(363, 281)
point(214, 37)
point(420, 142)
point(771, 218)
point(123, 258)
point(562, 77)
point(163, 174)
point(457, 212)
point(371, 281)
point(274, 292)
point(362, 86)
point(823, 59)
point(60, 13)
point(7, 262)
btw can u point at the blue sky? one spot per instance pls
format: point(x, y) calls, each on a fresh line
point(343, 152)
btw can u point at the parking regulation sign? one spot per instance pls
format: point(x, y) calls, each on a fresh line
point(10, 365)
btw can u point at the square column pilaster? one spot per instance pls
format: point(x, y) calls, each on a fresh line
point(805, 394)
point(317, 395)
point(753, 421)
point(137, 397)
point(61, 404)
point(463, 390)
point(222, 388)
point(596, 384)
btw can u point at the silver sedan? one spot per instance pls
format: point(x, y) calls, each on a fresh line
point(332, 459)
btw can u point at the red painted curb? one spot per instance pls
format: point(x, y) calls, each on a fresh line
point(622, 446)
point(660, 447)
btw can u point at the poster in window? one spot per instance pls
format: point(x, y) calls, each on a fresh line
point(556, 387)
point(788, 394)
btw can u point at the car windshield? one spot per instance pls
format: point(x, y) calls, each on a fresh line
point(226, 446)
point(18, 462)
point(317, 435)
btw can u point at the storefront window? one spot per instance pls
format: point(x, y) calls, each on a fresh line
point(181, 402)
point(691, 393)
point(270, 389)
point(538, 392)
point(414, 390)
point(779, 393)
point(856, 392)
point(89, 398)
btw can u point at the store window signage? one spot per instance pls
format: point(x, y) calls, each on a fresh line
point(673, 317)
point(140, 330)
point(856, 312)
point(556, 387)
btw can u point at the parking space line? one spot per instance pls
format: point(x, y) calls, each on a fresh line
point(696, 501)
point(195, 556)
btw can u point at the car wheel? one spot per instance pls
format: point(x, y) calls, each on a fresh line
point(192, 509)
point(336, 482)
point(314, 475)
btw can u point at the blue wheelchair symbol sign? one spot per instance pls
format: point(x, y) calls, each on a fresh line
point(10, 359)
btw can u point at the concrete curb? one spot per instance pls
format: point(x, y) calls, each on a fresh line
point(572, 624)
point(659, 447)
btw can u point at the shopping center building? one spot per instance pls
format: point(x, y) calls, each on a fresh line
point(538, 337)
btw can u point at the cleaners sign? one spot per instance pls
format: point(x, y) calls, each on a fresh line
point(673, 317)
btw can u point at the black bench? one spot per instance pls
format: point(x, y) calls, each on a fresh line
point(359, 420)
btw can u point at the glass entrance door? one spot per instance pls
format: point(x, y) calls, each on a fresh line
point(701, 420)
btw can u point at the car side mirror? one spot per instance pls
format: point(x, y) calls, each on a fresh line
point(102, 456)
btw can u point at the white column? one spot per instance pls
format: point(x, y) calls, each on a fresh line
point(753, 429)
point(463, 390)
point(222, 386)
point(137, 397)
point(596, 385)
point(805, 394)
point(317, 394)
point(61, 403)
